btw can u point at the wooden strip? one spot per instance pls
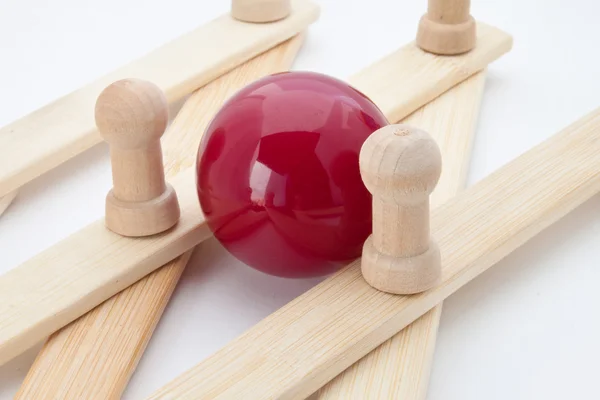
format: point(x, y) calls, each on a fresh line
point(305, 344)
point(70, 278)
point(414, 77)
point(55, 133)
point(400, 367)
point(95, 356)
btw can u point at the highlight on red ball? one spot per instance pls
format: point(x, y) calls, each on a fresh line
point(278, 177)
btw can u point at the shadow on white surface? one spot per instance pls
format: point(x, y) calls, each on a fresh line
point(54, 205)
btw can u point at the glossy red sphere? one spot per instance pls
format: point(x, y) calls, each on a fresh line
point(278, 176)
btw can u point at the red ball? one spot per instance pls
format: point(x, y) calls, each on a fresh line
point(278, 176)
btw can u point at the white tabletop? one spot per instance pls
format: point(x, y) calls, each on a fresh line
point(526, 329)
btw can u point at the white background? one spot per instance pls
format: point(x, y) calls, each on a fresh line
point(526, 329)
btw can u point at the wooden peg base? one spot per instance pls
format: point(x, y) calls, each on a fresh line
point(395, 275)
point(260, 11)
point(446, 39)
point(142, 218)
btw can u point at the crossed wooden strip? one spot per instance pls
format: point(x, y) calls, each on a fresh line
point(51, 135)
point(69, 279)
point(305, 344)
point(94, 356)
point(400, 367)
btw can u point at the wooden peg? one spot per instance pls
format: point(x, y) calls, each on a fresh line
point(132, 115)
point(400, 166)
point(448, 27)
point(260, 11)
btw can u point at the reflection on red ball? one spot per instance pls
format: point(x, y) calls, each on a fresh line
point(278, 176)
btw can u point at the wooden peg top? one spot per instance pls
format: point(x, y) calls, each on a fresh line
point(260, 11)
point(131, 113)
point(400, 165)
point(447, 28)
point(401, 162)
point(131, 116)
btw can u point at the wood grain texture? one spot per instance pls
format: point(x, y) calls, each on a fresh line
point(63, 283)
point(408, 78)
point(131, 116)
point(95, 356)
point(85, 269)
point(306, 343)
point(448, 27)
point(400, 165)
point(55, 133)
point(400, 368)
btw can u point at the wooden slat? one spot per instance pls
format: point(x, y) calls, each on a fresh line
point(53, 134)
point(408, 78)
point(400, 367)
point(72, 277)
point(305, 344)
point(75, 275)
point(94, 356)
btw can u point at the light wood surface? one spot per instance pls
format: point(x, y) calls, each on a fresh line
point(260, 11)
point(73, 276)
point(447, 28)
point(400, 165)
point(94, 356)
point(408, 78)
point(131, 116)
point(303, 345)
point(53, 134)
point(400, 368)
point(99, 263)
